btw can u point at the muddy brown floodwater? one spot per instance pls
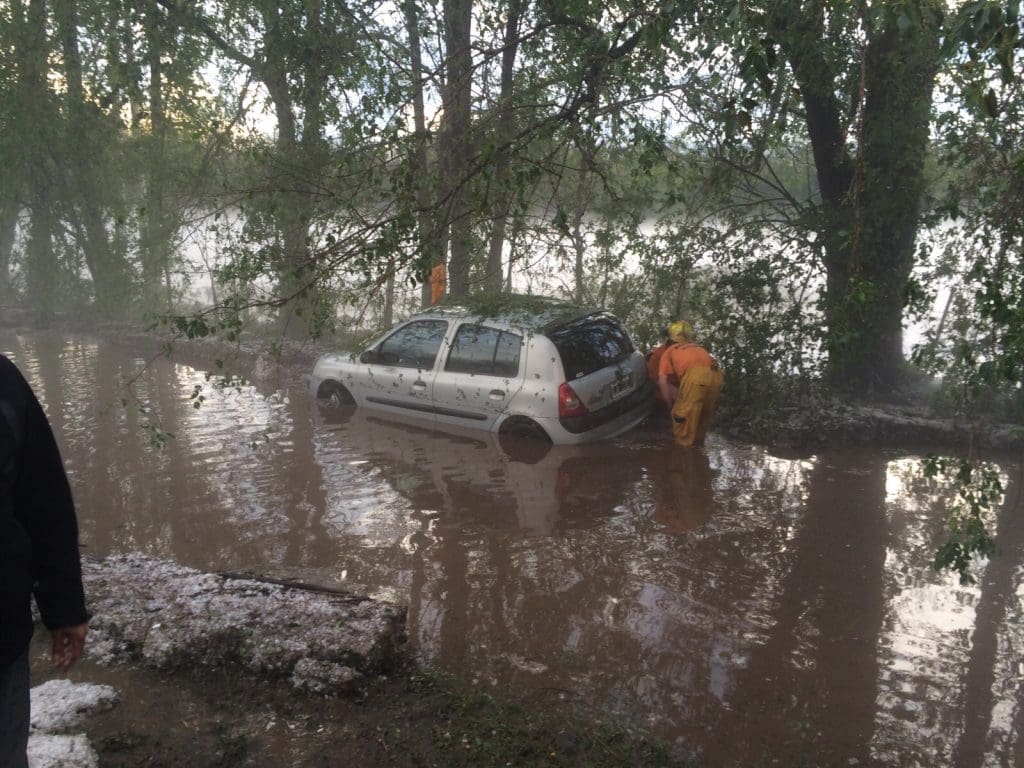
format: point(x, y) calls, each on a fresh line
point(755, 609)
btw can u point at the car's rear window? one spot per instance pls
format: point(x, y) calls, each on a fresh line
point(589, 344)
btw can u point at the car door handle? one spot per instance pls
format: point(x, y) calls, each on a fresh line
point(419, 385)
point(496, 394)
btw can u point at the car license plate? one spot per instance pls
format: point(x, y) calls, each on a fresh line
point(622, 387)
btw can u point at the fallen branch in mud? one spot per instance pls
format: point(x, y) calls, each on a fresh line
point(169, 617)
point(293, 584)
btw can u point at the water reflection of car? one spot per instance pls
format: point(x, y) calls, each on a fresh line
point(476, 476)
point(508, 364)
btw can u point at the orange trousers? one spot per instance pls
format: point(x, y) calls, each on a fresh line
point(695, 404)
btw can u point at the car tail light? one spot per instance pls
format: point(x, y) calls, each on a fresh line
point(569, 403)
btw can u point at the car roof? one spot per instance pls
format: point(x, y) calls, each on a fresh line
point(528, 312)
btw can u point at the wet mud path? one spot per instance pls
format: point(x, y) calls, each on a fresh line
point(753, 608)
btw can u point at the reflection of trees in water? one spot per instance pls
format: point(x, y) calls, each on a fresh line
point(949, 683)
point(204, 498)
point(808, 688)
point(299, 479)
point(612, 608)
point(992, 678)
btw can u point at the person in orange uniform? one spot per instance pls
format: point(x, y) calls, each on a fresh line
point(653, 366)
point(690, 378)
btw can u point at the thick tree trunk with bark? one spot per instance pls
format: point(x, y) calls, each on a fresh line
point(504, 134)
point(430, 252)
point(156, 252)
point(110, 273)
point(41, 267)
point(900, 73)
point(584, 197)
point(870, 194)
point(455, 144)
point(294, 213)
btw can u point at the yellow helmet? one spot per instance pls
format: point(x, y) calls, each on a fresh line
point(680, 331)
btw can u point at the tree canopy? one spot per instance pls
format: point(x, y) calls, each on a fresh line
point(801, 178)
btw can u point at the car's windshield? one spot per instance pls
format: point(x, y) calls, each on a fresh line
point(589, 344)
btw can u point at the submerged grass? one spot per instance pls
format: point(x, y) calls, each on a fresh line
point(436, 723)
point(410, 719)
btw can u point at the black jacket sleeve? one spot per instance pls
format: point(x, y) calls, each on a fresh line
point(44, 507)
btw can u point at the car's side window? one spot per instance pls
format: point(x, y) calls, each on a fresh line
point(506, 356)
point(485, 351)
point(414, 345)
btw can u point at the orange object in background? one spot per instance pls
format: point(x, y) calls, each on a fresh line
point(653, 366)
point(438, 281)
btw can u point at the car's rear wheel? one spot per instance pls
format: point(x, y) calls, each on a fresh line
point(335, 394)
point(523, 439)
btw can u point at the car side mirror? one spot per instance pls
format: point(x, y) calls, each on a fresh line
point(369, 356)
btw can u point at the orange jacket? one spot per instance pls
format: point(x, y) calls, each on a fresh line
point(679, 358)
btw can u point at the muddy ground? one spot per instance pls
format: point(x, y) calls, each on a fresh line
point(207, 719)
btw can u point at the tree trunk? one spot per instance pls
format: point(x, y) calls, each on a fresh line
point(584, 193)
point(156, 249)
point(42, 273)
point(128, 75)
point(302, 152)
point(900, 73)
point(869, 202)
point(8, 229)
point(16, 147)
point(109, 273)
point(389, 297)
point(293, 214)
point(299, 299)
point(42, 270)
point(455, 144)
point(518, 224)
point(430, 254)
point(505, 132)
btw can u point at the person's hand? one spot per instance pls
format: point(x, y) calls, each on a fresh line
point(68, 644)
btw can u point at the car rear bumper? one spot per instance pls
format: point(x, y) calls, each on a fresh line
point(611, 420)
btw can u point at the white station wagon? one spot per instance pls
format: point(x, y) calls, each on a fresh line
point(515, 365)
